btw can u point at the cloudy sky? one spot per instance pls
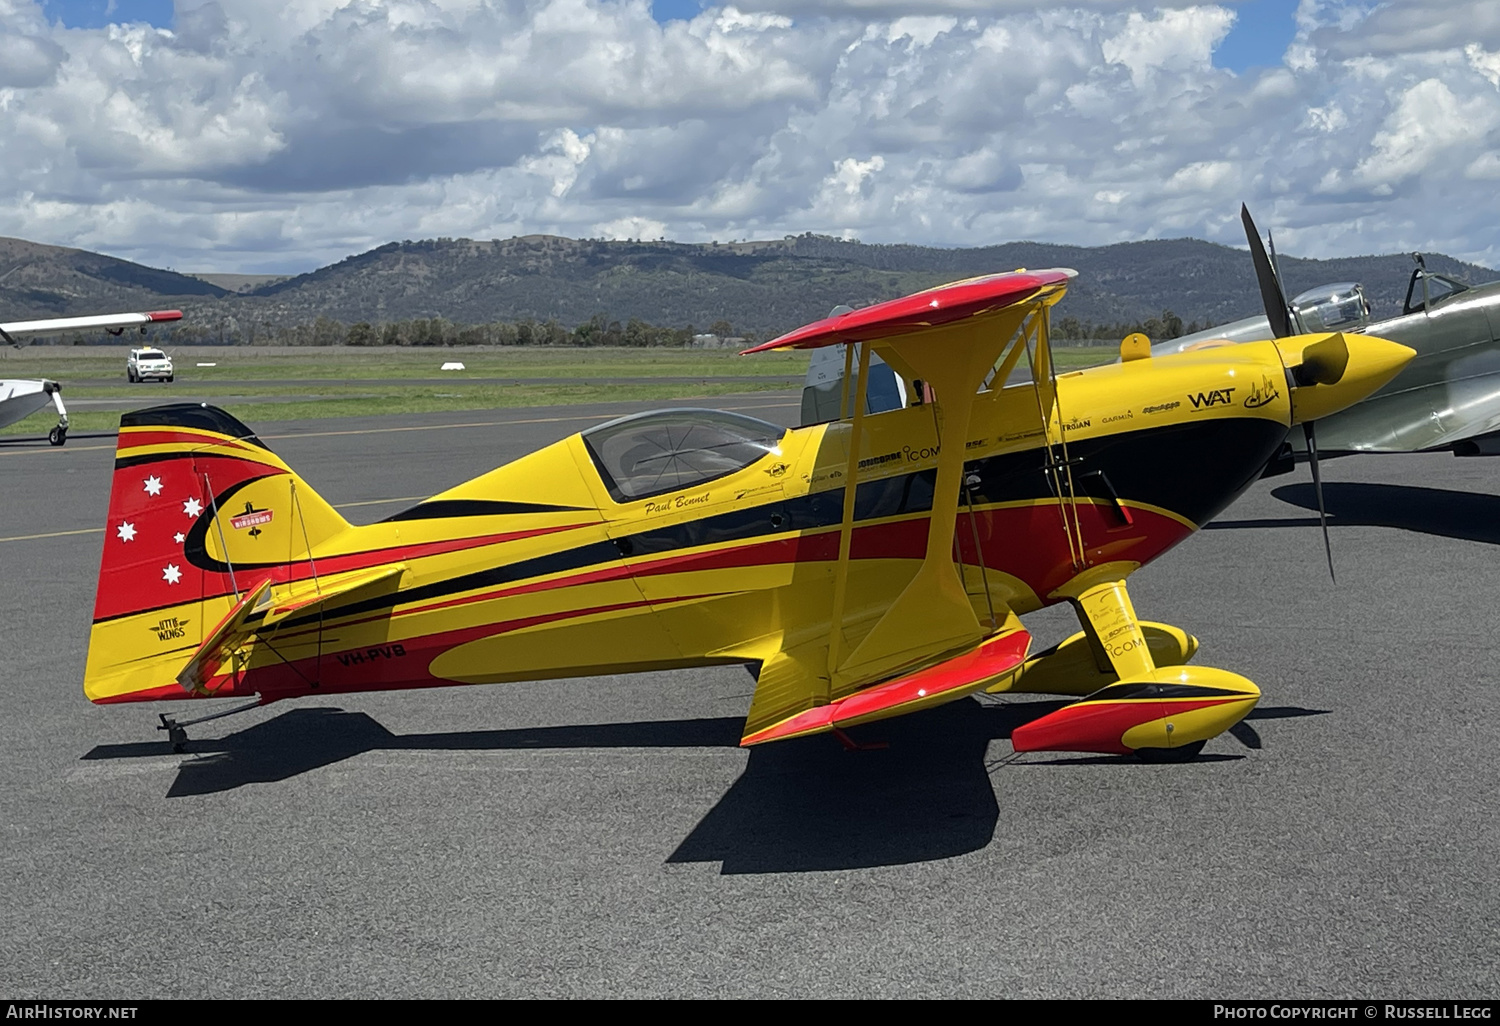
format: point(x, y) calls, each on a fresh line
point(279, 135)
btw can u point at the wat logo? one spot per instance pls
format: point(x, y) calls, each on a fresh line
point(1217, 397)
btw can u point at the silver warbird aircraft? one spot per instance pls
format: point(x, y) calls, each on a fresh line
point(1446, 399)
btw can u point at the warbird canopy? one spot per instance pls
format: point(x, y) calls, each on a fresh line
point(865, 568)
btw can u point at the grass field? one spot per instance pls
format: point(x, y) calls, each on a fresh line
point(344, 382)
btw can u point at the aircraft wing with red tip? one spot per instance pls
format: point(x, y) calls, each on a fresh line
point(26, 329)
point(945, 304)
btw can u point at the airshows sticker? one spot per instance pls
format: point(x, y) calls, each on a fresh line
point(252, 517)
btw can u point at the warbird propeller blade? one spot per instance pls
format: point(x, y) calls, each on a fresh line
point(831, 557)
point(1272, 296)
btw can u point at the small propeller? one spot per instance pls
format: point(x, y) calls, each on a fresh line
point(1312, 459)
point(1323, 363)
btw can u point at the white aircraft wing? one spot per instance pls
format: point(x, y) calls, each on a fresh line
point(25, 329)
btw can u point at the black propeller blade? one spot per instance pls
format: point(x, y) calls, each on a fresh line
point(1312, 459)
point(1271, 295)
point(1322, 363)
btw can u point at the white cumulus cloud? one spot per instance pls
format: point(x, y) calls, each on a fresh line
point(265, 135)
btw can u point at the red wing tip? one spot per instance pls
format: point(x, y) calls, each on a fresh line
point(164, 315)
point(932, 307)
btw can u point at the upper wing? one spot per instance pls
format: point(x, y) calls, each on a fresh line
point(946, 304)
point(25, 329)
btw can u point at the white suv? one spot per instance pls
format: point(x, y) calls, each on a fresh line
point(148, 365)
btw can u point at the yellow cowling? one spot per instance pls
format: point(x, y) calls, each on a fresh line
point(1333, 372)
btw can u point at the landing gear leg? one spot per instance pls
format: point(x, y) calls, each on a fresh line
point(177, 729)
point(59, 434)
point(1114, 632)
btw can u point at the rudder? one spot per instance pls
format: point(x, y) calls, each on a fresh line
point(200, 510)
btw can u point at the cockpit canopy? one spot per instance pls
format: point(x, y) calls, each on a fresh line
point(1426, 289)
point(1339, 307)
point(649, 453)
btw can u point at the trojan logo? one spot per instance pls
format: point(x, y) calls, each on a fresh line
point(1217, 397)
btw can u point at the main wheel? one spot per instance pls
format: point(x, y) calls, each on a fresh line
point(1186, 753)
point(169, 378)
point(58, 435)
point(130, 375)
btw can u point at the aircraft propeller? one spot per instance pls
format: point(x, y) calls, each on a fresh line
point(1323, 363)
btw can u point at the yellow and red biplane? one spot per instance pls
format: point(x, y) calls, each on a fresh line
point(868, 567)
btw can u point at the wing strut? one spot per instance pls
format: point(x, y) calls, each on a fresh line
point(846, 525)
point(934, 612)
point(1043, 369)
point(950, 338)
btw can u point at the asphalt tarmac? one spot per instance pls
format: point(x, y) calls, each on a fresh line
point(607, 837)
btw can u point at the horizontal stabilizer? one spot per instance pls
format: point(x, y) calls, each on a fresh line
point(309, 596)
point(951, 679)
point(221, 643)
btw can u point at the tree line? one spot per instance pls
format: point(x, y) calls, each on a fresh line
point(1157, 329)
point(598, 330)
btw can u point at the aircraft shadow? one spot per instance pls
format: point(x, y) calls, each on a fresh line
point(799, 806)
point(301, 740)
point(40, 441)
point(1468, 516)
point(807, 805)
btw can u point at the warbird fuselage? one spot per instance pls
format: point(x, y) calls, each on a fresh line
point(694, 537)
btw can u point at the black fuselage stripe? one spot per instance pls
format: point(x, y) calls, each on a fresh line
point(1014, 477)
point(1192, 470)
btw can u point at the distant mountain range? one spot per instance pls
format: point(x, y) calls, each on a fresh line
point(760, 287)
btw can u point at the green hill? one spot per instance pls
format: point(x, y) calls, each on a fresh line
point(764, 287)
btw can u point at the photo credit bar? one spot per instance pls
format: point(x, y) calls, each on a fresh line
point(1356, 1011)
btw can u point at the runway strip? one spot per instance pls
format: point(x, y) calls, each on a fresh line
point(565, 419)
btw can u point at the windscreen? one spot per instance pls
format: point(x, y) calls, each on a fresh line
point(151, 354)
point(1340, 307)
point(651, 453)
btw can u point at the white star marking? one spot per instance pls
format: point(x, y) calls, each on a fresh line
point(127, 531)
point(192, 507)
point(153, 485)
point(179, 537)
point(171, 574)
